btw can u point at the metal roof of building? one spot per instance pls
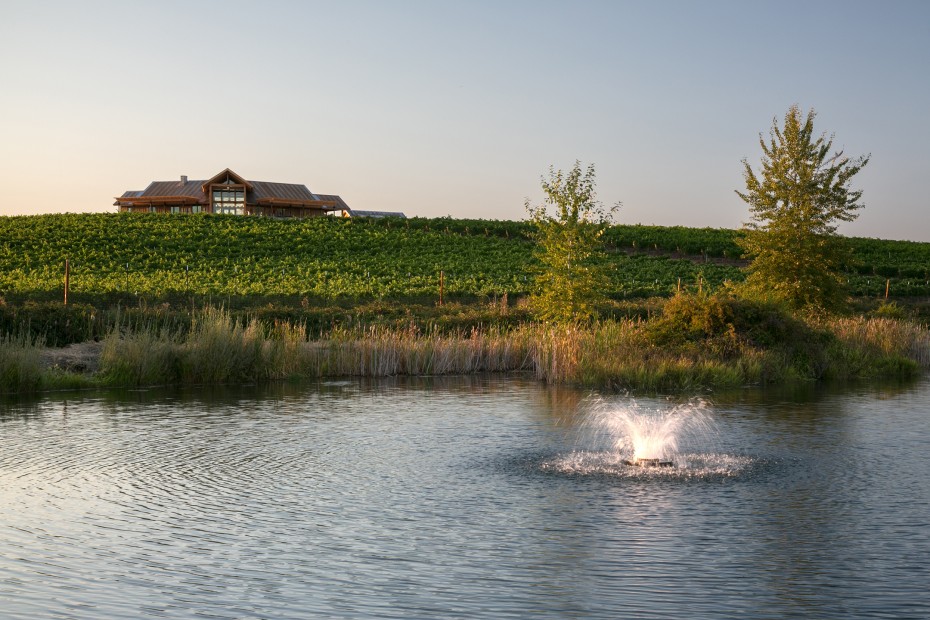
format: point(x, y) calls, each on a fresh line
point(358, 213)
point(258, 191)
point(174, 188)
point(340, 203)
point(287, 191)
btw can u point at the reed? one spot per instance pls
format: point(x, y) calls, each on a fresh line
point(217, 349)
point(20, 363)
point(147, 356)
point(383, 352)
point(615, 354)
point(890, 336)
point(878, 346)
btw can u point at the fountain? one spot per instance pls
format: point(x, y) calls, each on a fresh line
point(626, 439)
point(649, 438)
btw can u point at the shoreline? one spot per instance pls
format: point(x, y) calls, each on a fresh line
point(654, 356)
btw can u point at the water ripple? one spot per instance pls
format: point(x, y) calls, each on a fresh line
point(470, 500)
point(685, 466)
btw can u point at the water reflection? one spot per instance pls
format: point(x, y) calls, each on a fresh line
point(432, 498)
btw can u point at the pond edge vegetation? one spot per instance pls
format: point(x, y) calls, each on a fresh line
point(697, 343)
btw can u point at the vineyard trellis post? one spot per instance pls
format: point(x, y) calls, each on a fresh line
point(67, 279)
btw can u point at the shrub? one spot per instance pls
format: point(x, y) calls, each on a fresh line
point(692, 318)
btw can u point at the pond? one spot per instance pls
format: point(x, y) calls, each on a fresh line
point(467, 497)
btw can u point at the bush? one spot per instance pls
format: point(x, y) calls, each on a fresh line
point(889, 310)
point(692, 318)
point(56, 324)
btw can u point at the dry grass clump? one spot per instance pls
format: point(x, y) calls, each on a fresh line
point(379, 352)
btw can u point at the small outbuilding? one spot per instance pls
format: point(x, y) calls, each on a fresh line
point(347, 212)
point(229, 193)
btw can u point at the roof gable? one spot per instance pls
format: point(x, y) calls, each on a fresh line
point(226, 177)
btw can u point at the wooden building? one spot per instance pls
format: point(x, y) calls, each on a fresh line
point(229, 193)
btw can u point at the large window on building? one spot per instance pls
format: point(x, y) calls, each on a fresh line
point(229, 200)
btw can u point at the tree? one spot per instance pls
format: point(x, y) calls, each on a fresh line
point(571, 280)
point(801, 194)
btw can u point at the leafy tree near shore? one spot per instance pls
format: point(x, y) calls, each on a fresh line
point(571, 281)
point(796, 201)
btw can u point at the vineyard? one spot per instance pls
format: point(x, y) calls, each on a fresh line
point(902, 265)
point(120, 256)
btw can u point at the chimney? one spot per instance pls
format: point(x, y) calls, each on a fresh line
point(183, 178)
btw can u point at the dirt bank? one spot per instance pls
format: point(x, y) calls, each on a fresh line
point(80, 357)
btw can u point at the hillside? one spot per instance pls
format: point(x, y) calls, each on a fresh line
point(161, 257)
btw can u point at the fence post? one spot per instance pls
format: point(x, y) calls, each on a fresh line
point(887, 286)
point(67, 279)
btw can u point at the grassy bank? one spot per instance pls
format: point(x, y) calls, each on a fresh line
point(692, 343)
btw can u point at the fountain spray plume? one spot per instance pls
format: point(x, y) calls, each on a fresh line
point(650, 437)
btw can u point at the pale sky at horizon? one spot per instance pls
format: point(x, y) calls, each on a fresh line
point(441, 108)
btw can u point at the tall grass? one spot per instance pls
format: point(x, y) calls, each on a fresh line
point(143, 357)
point(622, 355)
point(710, 345)
point(217, 349)
point(613, 354)
point(20, 363)
point(880, 346)
point(383, 352)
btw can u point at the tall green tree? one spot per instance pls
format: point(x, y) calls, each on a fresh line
point(571, 280)
point(796, 201)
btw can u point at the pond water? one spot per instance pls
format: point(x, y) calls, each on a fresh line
point(477, 497)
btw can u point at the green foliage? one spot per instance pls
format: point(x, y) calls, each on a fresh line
point(124, 257)
point(889, 310)
point(692, 317)
point(55, 324)
point(571, 279)
point(727, 328)
point(706, 242)
point(317, 268)
point(795, 203)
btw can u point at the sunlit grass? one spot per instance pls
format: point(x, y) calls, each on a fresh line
point(681, 351)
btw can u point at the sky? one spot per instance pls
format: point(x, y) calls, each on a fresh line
point(439, 108)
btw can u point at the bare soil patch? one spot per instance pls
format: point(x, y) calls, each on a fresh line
point(78, 357)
